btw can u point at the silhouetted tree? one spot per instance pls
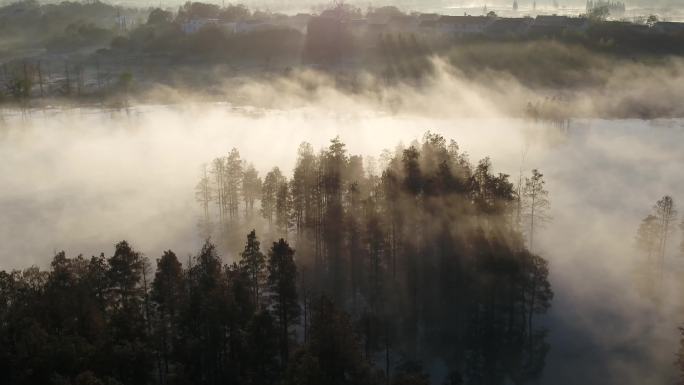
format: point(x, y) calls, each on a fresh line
point(251, 188)
point(648, 235)
point(253, 261)
point(269, 193)
point(282, 281)
point(203, 194)
point(536, 204)
point(168, 294)
point(666, 214)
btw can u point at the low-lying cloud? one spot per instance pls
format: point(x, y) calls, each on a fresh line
point(83, 179)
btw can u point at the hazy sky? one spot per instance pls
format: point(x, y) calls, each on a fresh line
point(442, 6)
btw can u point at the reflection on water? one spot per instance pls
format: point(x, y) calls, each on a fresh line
point(81, 180)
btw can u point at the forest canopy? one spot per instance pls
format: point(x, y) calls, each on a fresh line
point(371, 277)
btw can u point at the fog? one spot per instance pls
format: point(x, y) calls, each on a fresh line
point(635, 7)
point(82, 179)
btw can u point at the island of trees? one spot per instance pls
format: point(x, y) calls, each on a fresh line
point(415, 274)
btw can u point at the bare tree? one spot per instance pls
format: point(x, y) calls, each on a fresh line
point(535, 204)
point(666, 215)
point(648, 235)
point(217, 169)
point(519, 188)
point(203, 193)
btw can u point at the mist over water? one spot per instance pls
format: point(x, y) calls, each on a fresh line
point(80, 180)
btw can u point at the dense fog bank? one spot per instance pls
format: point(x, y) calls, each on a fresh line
point(82, 179)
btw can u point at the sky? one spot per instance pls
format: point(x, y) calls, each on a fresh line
point(441, 6)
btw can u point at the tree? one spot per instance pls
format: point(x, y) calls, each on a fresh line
point(411, 373)
point(168, 289)
point(251, 188)
point(334, 348)
point(282, 278)
point(269, 193)
point(124, 275)
point(203, 194)
point(262, 350)
point(535, 204)
point(461, 282)
point(334, 168)
point(282, 211)
point(304, 193)
point(653, 237)
point(648, 235)
point(599, 13)
point(666, 215)
point(218, 170)
point(206, 319)
point(233, 183)
point(253, 261)
point(127, 320)
point(159, 16)
point(235, 13)
point(537, 292)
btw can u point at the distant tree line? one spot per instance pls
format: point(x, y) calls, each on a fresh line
point(424, 260)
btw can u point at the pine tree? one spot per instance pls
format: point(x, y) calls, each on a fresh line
point(648, 236)
point(535, 204)
point(666, 215)
point(203, 194)
point(251, 188)
point(168, 290)
point(253, 262)
point(282, 278)
point(282, 211)
point(269, 193)
point(233, 183)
